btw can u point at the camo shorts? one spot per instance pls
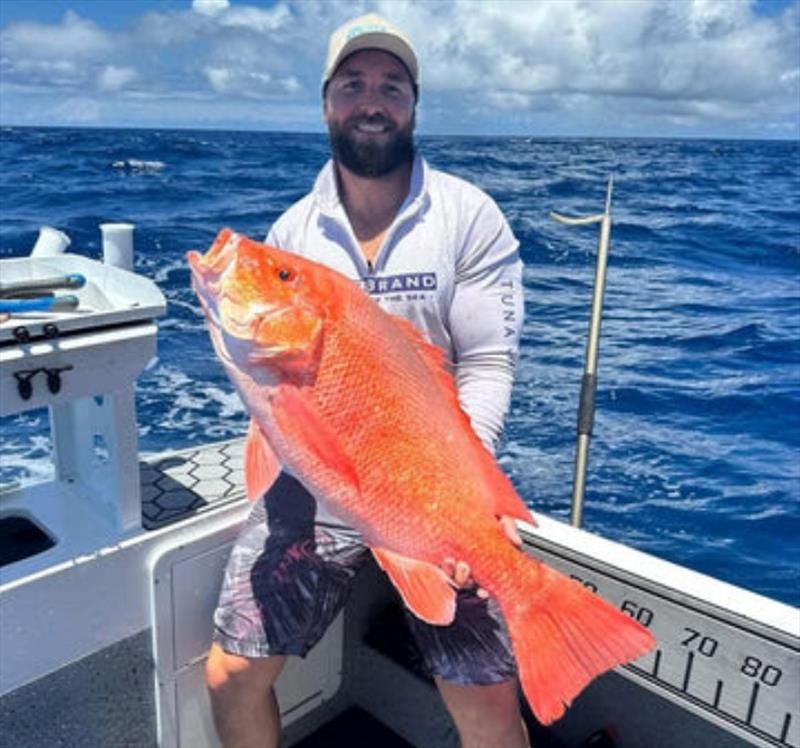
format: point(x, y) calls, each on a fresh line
point(289, 575)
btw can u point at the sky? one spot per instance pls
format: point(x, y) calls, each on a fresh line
point(542, 68)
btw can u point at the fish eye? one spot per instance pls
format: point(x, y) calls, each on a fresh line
point(284, 274)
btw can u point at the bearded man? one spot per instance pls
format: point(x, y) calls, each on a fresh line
point(438, 251)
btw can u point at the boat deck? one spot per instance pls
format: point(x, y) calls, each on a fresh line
point(384, 699)
point(180, 484)
point(354, 728)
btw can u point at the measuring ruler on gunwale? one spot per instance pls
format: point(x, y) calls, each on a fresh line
point(729, 667)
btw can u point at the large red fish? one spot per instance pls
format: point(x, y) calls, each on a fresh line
point(362, 410)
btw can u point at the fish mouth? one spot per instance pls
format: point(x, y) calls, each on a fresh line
point(242, 331)
point(211, 265)
point(237, 346)
point(246, 322)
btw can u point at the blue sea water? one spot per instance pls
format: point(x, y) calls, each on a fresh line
point(695, 449)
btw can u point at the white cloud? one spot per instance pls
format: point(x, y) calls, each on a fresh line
point(113, 78)
point(257, 20)
point(704, 61)
point(73, 38)
point(209, 7)
point(248, 83)
point(219, 78)
point(41, 73)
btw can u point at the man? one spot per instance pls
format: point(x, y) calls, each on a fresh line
point(438, 251)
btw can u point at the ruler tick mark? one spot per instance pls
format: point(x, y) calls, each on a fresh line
point(687, 673)
point(785, 731)
point(656, 663)
point(718, 694)
point(751, 709)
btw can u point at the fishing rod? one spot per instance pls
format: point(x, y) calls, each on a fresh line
point(586, 406)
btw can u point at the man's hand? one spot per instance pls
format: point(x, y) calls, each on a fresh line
point(460, 572)
point(510, 528)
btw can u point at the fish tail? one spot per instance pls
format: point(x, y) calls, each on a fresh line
point(564, 636)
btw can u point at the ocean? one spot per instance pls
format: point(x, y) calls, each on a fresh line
point(694, 456)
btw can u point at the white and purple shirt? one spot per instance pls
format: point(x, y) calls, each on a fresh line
point(449, 263)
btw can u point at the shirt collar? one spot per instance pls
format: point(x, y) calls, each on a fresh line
point(326, 188)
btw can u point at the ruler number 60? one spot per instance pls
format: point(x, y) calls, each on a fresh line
point(639, 612)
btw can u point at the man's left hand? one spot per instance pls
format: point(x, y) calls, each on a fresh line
point(460, 572)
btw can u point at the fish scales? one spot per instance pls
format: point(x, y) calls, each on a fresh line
point(362, 410)
point(355, 399)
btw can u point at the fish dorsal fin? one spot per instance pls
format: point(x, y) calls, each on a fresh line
point(425, 588)
point(432, 353)
point(436, 359)
point(261, 466)
point(500, 496)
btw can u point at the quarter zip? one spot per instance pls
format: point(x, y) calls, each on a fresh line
point(332, 209)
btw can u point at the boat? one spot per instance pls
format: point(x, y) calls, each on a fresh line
point(109, 574)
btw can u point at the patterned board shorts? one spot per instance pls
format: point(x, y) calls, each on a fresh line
point(289, 574)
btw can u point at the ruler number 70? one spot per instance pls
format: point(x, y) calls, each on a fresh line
point(752, 667)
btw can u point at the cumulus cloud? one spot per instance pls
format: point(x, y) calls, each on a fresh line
point(656, 48)
point(209, 7)
point(113, 78)
point(688, 63)
point(258, 20)
point(248, 84)
point(73, 38)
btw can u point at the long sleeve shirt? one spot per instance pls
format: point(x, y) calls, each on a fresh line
point(449, 263)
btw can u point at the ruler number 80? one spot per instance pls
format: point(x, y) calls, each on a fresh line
point(769, 675)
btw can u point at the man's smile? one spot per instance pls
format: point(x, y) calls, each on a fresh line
point(375, 128)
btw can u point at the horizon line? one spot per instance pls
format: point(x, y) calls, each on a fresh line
point(186, 128)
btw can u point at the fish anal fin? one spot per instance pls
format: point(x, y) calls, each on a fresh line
point(297, 417)
point(261, 466)
point(426, 590)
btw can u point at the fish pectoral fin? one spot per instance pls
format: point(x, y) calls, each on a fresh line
point(261, 466)
point(425, 588)
point(297, 417)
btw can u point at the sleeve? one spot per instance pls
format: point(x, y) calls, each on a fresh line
point(485, 319)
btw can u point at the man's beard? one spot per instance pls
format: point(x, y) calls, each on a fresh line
point(366, 157)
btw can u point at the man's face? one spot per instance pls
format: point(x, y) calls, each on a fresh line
point(369, 109)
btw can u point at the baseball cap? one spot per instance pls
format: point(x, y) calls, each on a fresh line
point(370, 31)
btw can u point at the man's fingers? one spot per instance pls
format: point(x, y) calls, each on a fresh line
point(510, 529)
point(460, 571)
point(449, 567)
point(462, 574)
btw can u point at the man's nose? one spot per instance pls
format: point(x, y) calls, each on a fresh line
point(372, 99)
